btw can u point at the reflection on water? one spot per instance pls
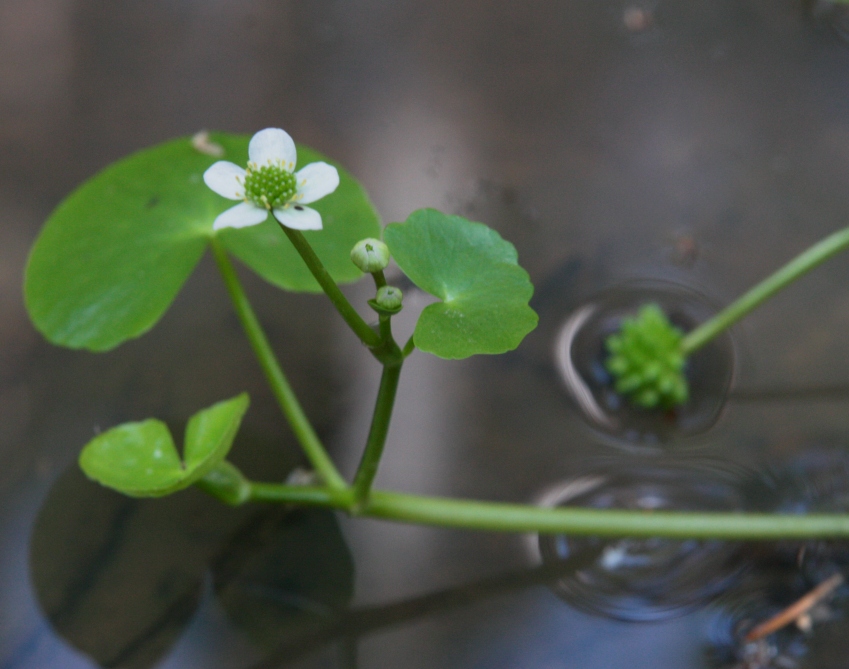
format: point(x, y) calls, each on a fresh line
point(784, 572)
point(120, 579)
point(123, 591)
point(124, 580)
point(646, 579)
point(284, 572)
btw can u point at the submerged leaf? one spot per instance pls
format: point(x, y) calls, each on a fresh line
point(287, 573)
point(475, 273)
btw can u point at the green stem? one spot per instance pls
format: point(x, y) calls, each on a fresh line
point(379, 278)
point(274, 374)
point(299, 494)
point(801, 264)
point(410, 346)
point(385, 329)
point(368, 336)
point(377, 433)
point(503, 517)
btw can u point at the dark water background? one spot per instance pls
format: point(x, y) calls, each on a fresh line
point(703, 142)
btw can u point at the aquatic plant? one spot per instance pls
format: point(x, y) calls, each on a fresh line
point(115, 254)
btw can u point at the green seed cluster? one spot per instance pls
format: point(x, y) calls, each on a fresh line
point(646, 360)
point(269, 186)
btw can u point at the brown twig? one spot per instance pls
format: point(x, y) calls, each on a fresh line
point(796, 610)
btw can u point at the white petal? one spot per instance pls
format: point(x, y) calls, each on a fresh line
point(226, 179)
point(298, 218)
point(273, 145)
point(240, 216)
point(315, 181)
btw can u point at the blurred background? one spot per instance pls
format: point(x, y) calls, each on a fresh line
point(703, 142)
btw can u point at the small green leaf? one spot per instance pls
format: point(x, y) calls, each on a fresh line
point(115, 253)
point(141, 460)
point(475, 273)
point(134, 458)
point(210, 434)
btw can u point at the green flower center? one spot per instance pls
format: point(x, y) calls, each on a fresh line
point(269, 186)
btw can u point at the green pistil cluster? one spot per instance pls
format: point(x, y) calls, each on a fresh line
point(646, 360)
point(269, 186)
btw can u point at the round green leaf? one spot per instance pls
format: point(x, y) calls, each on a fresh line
point(346, 214)
point(115, 253)
point(141, 460)
point(137, 459)
point(475, 273)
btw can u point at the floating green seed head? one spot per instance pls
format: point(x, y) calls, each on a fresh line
point(646, 360)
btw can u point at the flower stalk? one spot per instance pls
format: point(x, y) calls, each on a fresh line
point(799, 266)
point(362, 329)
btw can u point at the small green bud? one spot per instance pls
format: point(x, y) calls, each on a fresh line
point(389, 298)
point(370, 255)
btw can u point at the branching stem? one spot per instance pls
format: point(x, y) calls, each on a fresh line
point(504, 517)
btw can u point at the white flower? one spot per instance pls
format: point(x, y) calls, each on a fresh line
point(270, 184)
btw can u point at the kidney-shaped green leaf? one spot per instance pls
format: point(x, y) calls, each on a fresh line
point(141, 460)
point(115, 253)
point(475, 273)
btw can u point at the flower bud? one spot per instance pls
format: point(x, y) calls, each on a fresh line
point(370, 255)
point(389, 298)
